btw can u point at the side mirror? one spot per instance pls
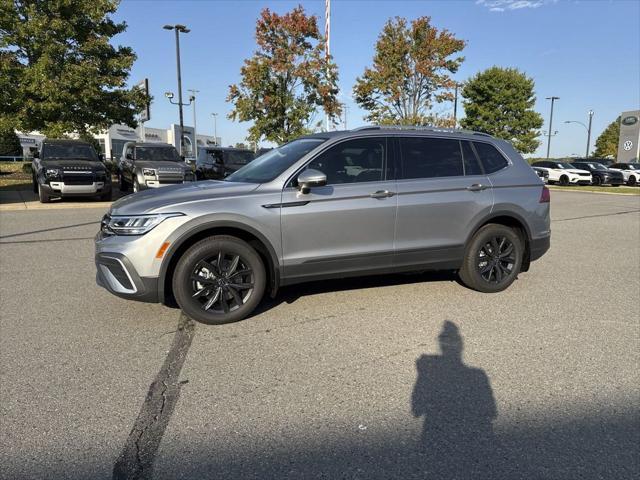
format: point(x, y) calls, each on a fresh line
point(36, 154)
point(311, 178)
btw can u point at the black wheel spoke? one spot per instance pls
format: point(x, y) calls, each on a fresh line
point(213, 299)
point(233, 266)
point(507, 251)
point(494, 258)
point(241, 286)
point(200, 292)
point(235, 295)
point(240, 272)
point(223, 301)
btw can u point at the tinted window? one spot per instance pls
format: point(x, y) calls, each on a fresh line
point(164, 154)
point(239, 157)
point(430, 157)
point(492, 160)
point(471, 164)
point(359, 160)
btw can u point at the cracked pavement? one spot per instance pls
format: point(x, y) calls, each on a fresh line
point(319, 383)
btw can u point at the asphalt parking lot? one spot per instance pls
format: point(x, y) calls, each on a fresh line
point(350, 379)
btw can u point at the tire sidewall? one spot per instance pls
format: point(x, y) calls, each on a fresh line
point(210, 247)
point(472, 277)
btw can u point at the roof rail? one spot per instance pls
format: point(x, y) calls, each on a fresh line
point(426, 128)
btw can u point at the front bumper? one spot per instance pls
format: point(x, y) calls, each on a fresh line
point(161, 183)
point(116, 273)
point(61, 189)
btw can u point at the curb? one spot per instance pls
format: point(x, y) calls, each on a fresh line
point(556, 189)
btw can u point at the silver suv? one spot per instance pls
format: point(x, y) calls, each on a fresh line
point(340, 204)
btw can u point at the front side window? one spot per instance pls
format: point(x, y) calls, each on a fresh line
point(491, 158)
point(353, 161)
point(424, 157)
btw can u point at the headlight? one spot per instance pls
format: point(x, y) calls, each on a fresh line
point(148, 172)
point(53, 172)
point(133, 224)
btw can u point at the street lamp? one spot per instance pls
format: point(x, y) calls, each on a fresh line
point(192, 98)
point(178, 29)
point(215, 127)
point(588, 129)
point(553, 99)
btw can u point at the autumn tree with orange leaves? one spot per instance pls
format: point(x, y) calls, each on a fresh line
point(287, 80)
point(411, 72)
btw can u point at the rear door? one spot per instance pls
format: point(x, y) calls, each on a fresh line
point(346, 226)
point(442, 191)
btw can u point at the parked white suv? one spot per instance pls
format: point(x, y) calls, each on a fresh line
point(564, 173)
point(630, 172)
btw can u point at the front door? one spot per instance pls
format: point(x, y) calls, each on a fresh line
point(442, 192)
point(347, 226)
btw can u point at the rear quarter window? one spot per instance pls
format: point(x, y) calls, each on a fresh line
point(492, 160)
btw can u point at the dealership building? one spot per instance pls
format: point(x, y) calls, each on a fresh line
point(113, 139)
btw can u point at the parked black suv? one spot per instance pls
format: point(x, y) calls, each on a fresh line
point(215, 163)
point(600, 175)
point(69, 168)
point(151, 165)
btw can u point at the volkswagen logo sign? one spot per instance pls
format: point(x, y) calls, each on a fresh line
point(627, 145)
point(630, 120)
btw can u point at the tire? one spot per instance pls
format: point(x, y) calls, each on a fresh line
point(214, 301)
point(122, 183)
point(482, 271)
point(43, 196)
point(564, 180)
point(632, 181)
point(35, 184)
point(136, 185)
point(596, 180)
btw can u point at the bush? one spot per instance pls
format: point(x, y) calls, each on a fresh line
point(26, 168)
point(9, 143)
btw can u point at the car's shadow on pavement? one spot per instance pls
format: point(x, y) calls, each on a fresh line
point(291, 294)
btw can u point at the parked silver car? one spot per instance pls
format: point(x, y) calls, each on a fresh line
point(329, 205)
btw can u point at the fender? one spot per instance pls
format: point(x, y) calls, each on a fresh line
point(274, 272)
point(496, 214)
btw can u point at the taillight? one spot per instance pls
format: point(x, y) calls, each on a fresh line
point(545, 196)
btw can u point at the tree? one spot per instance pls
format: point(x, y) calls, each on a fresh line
point(240, 145)
point(607, 142)
point(9, 143)
point(500, 101)
point(59, 72)
point(411, 71)
point(287, 79)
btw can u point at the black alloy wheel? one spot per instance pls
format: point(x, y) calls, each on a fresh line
point(564, 180)
point(493, 259)
point(220, 279)
point(632, 180)
point(596, 180)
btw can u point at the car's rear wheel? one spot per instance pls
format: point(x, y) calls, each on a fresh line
point(218, 280)
point(632, 180)
point(492, 259)
point(42, 195)
point(564, 180)
point(596, 180)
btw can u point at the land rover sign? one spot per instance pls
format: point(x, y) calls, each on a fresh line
point(628, 144)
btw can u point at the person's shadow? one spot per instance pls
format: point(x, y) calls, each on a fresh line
point(459, 409)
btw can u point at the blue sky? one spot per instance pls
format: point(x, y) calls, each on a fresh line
point(585, 52)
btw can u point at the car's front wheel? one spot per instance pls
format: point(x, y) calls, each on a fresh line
point(564, 180)
point(42, 195)
point(632, 180)
point(220, 279)
point(492, 259)
point(596, 180)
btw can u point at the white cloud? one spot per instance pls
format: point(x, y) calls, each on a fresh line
point(503, 5)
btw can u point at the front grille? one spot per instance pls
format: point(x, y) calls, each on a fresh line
point(77, 178)
point(584, 174)
point(169, 182)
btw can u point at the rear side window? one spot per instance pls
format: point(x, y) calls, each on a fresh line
point(492, 160)
point(430, 157)
point(471, 164)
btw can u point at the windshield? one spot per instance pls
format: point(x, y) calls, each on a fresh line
point(164, 154)
point(564, 165)
point(598, 166)
point(68, 151)
point(270, 165)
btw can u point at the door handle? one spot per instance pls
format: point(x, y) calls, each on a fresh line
point(476, 187)
point(382, 194)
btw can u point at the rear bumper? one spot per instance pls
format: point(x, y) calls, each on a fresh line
point(115, 273)
point(539, 247)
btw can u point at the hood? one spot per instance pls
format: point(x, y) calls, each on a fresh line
point(160, 165)
point(73, 164)
point(173, 197)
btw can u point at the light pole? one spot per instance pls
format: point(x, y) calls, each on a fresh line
point(178, 29)
point(455, 105)
point(215, 127)
point(588, 129)
point(192, 98)
point(553, 99)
